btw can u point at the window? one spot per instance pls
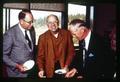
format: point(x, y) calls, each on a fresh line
point(76, 11)
point(10, 18)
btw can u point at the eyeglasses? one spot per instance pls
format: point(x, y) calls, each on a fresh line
point(30, 22)
point(52, 22)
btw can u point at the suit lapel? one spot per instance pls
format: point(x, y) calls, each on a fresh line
point(32, 34)
point(49, 43)
point(22, 37)
point(92, 46)
point(91, 42)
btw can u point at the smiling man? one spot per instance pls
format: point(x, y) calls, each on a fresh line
point(55, 49)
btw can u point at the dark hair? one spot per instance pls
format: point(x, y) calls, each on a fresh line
point(78, 21)
point(23, 13)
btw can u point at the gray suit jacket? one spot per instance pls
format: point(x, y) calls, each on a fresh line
point(16, 50)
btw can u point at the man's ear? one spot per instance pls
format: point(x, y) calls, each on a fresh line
point(21, 21)
point(82, 29)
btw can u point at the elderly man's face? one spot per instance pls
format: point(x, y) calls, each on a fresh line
point(27, 22)
point(52, 23)
point(76, 31)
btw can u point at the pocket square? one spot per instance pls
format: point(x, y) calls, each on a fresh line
point(91, 55)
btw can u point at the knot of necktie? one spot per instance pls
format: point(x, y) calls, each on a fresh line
point(82, 44)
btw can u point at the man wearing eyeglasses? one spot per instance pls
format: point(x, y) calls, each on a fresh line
point(19, 44)
point(55, 49)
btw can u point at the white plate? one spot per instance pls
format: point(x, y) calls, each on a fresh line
point(29, 64)
point(60, 71)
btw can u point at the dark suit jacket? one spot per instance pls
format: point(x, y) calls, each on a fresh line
point(97, 59)
point(16, 50)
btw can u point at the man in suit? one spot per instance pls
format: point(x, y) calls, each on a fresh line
point(93, 53)
point(18, 45)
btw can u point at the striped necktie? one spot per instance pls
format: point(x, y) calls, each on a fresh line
point(83, 51)
point(27, 38)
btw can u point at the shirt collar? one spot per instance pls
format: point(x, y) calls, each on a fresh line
point(87, 39)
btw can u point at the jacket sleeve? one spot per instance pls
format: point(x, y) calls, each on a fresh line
point(7, 48)
point(41, 54)
point(70, 49)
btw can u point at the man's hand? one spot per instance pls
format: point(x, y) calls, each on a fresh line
point(21, 68)
point(71, 73)
point(66, 69)
point(41, 74)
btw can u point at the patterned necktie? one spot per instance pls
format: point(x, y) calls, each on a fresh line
point(27, 38)
point(83, 50)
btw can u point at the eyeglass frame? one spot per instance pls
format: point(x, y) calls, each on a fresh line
point(30, 22)
point(56, 22)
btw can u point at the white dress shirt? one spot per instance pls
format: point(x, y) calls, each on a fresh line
point(87, 40)
point(23, 31)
